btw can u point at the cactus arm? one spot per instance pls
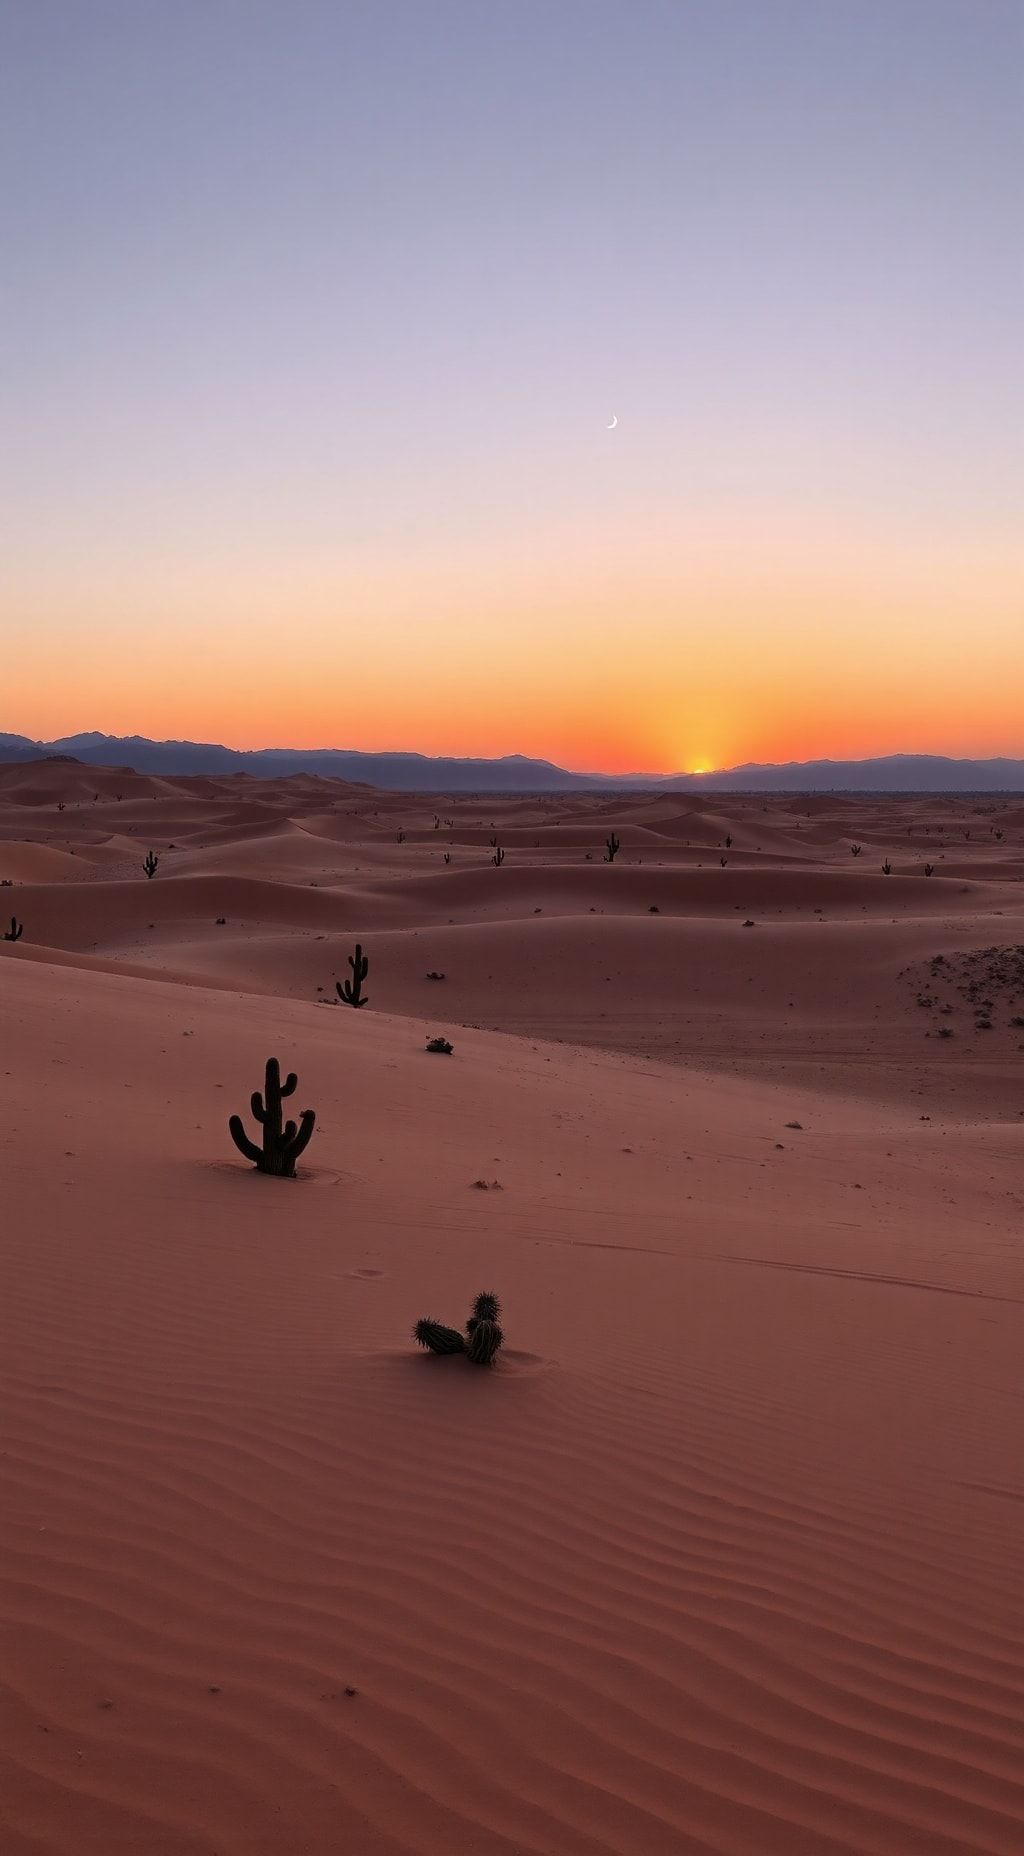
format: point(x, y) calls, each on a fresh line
point(242, 1141)
point(256, 1103)
point(288, 1132)
point(299, 1142)
point(437, 1338)
point(290, 1084)
point(486, 1307)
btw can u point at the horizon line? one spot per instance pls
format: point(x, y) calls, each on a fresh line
point(692, 773)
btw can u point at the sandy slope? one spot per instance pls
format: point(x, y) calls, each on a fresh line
point(724, 1556)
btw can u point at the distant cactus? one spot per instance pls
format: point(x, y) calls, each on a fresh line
point(149, 863)
point(728, 841)
point(434, 975)
point(437, 822)
point(723, 861)
point(447, 857)
point(15, 931)
point(60, 805)
point(499, 857)
point(611, 847)
point(351, 990)
point(440, 1047)
point(887, 868)
point(400, 836)
point(493, 842)
point(282, 1144)
point(437, 1338)
point(929, 869)
point(855, 850)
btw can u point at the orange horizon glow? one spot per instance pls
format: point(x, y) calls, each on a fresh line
point(664, 647)
point(840, 738)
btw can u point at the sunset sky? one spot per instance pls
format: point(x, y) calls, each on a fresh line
point(316, 313)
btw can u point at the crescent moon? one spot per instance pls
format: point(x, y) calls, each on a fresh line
point(614, 423)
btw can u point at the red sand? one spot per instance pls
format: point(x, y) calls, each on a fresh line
point(724, 1555)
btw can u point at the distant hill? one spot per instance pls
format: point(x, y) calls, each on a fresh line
point(515, 773)
point(398, 772)
point(889, 773)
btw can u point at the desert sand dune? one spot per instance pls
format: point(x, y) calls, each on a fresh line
point(723, 1555)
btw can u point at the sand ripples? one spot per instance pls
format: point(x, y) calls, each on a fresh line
point(575, 1618)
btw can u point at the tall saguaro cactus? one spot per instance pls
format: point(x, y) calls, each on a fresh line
point(351, 991)
point(15, 931)
point(149, 863)
point(283, 1141)
point(611, 847)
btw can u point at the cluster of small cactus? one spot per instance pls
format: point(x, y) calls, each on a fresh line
point(15, 931)
point(351, 991)
point(283, 1141)
point(481, 1340)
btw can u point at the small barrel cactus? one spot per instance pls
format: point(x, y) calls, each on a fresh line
point(481, 1341)
point(485, 1308)
point(484, 1342)
point(437, 1338)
